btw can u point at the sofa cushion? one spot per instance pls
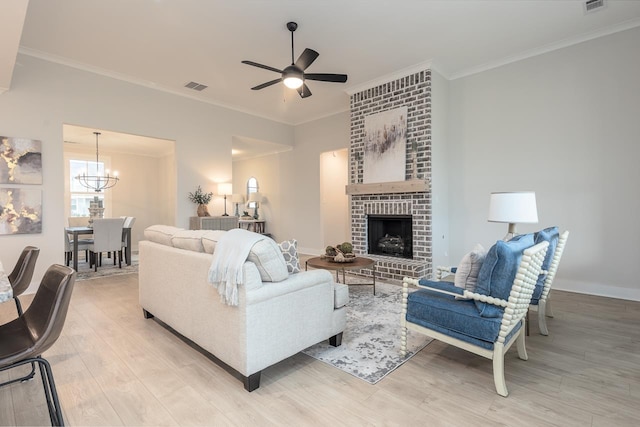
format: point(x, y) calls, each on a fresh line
point(161, 233)
point(190, 240)
point(210, 239)
point(267, 256)
point(498, 272)
point(466, 276)
point(289, 250)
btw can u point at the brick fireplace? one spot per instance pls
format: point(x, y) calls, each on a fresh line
point(409, 199)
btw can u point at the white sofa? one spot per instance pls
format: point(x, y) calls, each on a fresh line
point(273, 320)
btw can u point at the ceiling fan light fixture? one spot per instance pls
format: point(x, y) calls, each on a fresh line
point(293, 82)
point(292, 77)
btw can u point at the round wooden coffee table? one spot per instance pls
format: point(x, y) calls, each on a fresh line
point(357, 264)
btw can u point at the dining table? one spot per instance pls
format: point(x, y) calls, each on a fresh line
point(6, 291)
point(77, 231)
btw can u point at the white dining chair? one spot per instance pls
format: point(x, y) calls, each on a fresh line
point(107, 237)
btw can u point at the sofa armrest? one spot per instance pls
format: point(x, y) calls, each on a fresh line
point(294, 283)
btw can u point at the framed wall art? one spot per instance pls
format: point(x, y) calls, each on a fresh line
point(20, 160)
point(20, 210)
point(385, 146)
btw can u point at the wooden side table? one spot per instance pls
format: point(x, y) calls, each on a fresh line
point(359, 263)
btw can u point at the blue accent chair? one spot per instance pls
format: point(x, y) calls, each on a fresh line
point(540, 299)
point(486, 322)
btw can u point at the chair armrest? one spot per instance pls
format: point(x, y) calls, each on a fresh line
point(441, 287)
point(449, 289)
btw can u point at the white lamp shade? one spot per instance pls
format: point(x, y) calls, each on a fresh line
point(255, 197)
point(237, 198)
point(224, 189)
point(516, 207)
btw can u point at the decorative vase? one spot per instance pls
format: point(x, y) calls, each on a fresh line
point(203, 210)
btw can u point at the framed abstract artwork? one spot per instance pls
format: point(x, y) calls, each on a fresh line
point(20, 210)
point(20, 160)
point(385, 146)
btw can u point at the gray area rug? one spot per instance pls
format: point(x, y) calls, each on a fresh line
point(108, 269)
point(370, 347)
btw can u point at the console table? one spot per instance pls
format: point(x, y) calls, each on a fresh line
point(254, 225)
point(213, 222)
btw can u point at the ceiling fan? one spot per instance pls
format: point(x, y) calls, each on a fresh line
point(294, 76)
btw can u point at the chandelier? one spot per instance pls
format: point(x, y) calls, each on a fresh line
point(98, 182)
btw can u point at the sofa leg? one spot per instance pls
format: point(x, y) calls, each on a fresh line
point(336, 340)
point(146, 314)
point(252, 382)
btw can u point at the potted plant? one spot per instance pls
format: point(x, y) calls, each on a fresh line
point(202, 200)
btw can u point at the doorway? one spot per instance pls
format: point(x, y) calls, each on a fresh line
point(334, 203)
point(146, 167)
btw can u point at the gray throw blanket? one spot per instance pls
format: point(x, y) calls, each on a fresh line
point(229, 256)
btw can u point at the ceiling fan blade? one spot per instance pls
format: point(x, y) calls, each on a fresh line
point(325, 77)
point(306, 58)
point(267, 84)
point(266, 67)
point(304, 91)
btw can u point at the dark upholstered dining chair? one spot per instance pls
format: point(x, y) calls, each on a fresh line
point(23, 340)
point(20, 277)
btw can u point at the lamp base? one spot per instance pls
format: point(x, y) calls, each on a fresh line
point(511, 232)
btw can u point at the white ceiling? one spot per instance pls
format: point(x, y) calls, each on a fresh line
point(166, 43)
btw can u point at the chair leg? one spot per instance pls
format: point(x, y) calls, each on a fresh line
point(27, 377)
point(119, 258)
point(542, 320)
point(18, 306)
point(521, 346)
point(50, 392)
point(114, 258)
point(498, 369)
point(548, 313)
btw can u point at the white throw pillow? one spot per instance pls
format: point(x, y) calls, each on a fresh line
point(469, 267)
point(289, 250)
point(267, 256)
point(210, 239)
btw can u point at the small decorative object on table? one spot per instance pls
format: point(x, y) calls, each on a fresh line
point(202, 200)
point(340, 253)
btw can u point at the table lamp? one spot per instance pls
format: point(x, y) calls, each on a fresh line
point(256, 198)
point(512, 208)
point(237, 199)
point(225, 189)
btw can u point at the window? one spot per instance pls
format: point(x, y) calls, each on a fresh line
point(80, 195)
point(252, 187)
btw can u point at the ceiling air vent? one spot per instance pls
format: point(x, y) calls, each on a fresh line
point(196, 86)
point(594, 5)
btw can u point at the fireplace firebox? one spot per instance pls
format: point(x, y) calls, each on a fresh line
point(390, 235)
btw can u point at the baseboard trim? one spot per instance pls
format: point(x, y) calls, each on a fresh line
point(599, 289)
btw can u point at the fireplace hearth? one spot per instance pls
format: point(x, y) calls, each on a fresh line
point(390, 235)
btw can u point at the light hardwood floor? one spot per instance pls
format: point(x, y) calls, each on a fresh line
point(113, 367)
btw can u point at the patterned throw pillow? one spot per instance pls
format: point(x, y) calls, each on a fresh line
point(469, 268)
point(289, 250)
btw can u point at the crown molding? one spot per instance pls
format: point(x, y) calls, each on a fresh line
point(623, 26)
point(425, 65)
point(140, 82)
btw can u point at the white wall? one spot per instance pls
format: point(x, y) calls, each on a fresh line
point(440, 167)
point(45, 95)
point(566, 125)
point(291, 181)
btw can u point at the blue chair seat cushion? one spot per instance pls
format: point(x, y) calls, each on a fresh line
point(457, 318)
